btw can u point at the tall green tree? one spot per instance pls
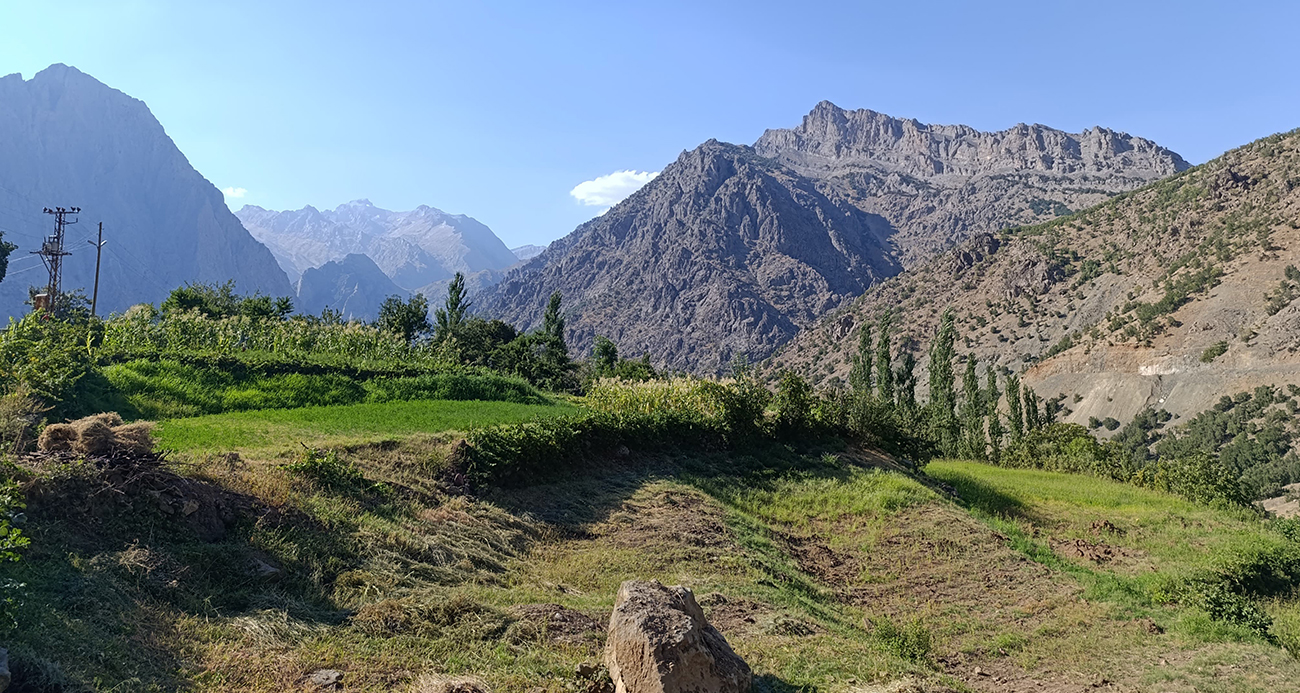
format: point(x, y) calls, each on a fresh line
point(450, 318)
point(995, 419)
point(972, 412)
point(943, 395)
point(604, 356)
point(408, 319)
point(860, 373)
point(906, 381)
point(884, 367)
point(553, 323)
point(1015, 408)
point(1033, 420)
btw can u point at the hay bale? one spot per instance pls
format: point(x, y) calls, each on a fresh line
point(134, 437)
point(94, 437)
point(57, 437)
point(108, 418)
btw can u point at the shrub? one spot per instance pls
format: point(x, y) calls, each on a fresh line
point(794, 404)
point(1214, 351)
point(911, 641)
point(326, 468)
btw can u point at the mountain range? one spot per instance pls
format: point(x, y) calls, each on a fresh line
point(1168, 297)
point(67, 140)
point(734, 249)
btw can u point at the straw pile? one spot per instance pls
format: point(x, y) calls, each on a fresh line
point(98, 435)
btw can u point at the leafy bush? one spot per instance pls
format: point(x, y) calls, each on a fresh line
point(48, 357)
point(326, 468)
point(911, 641)
point(1214, 351)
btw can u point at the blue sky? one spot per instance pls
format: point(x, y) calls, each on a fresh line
point(499, 109)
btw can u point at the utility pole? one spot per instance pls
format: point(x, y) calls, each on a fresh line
point(52, 254)
point(99, 251)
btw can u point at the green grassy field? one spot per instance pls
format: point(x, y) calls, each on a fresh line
point(285, 429)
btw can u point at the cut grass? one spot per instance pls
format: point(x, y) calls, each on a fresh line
point(284, 429)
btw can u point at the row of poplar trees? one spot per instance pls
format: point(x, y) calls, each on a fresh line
point(972, 428)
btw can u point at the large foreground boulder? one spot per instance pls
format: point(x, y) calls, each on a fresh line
point(660, 642)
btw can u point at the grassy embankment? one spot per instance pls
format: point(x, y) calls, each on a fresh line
point(825, 571)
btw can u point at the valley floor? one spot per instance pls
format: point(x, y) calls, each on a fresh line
point(826, 569)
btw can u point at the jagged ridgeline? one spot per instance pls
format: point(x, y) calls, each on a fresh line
point(1167, 297)
point(735, 249)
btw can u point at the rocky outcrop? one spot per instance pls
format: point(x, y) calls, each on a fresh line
point(660, 642)
point(414, 249)
point(940, 184)
point(354, 286)
point(68, 140)
point(723, 253)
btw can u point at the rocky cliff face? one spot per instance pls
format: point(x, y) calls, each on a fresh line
point(940, 184)
point(354, 286)
point(724, 252)
point(414, 249)
point(68, 140)
point(735, 249)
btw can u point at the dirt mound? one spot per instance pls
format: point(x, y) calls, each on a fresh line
point(95, 493)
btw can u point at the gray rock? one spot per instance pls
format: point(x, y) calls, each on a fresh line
point(354, 286)
point(660, 642)
point(324, 678)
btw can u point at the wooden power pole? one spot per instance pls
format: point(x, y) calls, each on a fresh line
point(99, 251)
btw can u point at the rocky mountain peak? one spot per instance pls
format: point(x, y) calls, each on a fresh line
point(831, 137)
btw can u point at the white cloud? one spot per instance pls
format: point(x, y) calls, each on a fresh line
point(234, 192)
point(610, 189)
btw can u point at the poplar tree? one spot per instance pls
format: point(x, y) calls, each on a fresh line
point(1015, 409)
point(1032, 420)
point(449, 319)
point(995, 420)
point(972, 411)
point(906, 379)
point(943, 396)
point(860, 374)
point(884, 367)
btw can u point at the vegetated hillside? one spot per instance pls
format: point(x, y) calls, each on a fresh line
point(725, 252)
point(1169, 297)
point(939, 184)
point(721, 255)
point(67, 140)
point(414, 248)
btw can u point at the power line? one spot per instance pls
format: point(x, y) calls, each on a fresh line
point(52, 252)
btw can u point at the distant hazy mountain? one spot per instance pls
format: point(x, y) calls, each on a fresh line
point(354, 286)
point(414, 249)
point(68, 140)
point(735, 249)
point(528, 252)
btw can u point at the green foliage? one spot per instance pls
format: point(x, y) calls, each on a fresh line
point(995, 431)
point(860, 373)
point(218, 301)
point(604, 356)
point(943, 396)
point(450, 319)
point(1214, 351)
point(1177, 292)
point(407, 319)
point(884, 365)
point(1015, 408)
point(553, 325)
point(327, 469)
point(169, 388)
point(794, 404)
point(974, 443)
point(905, 380)
point(6, 248)
point(911, 641)
point(49, 358)
point(478, 340)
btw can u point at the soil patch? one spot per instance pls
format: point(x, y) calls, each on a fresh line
point(560, 625)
